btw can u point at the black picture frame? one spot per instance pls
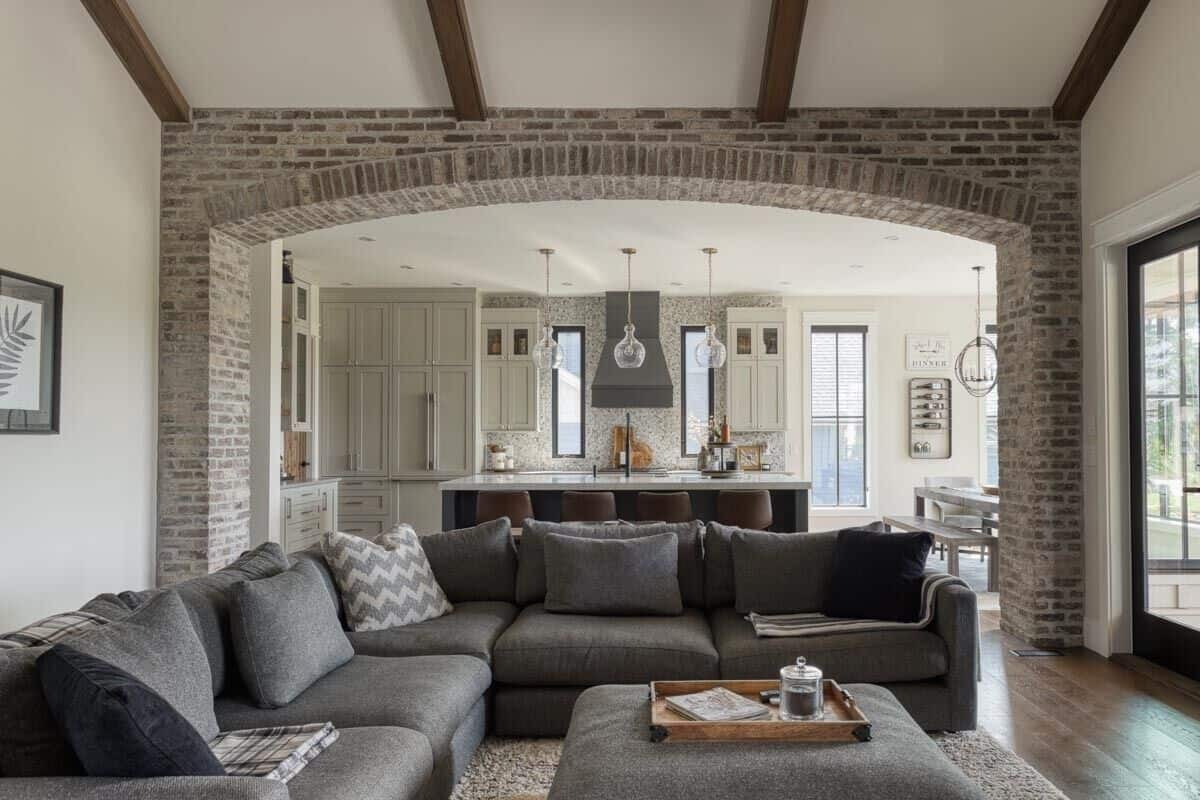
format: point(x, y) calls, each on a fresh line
point(46, 418)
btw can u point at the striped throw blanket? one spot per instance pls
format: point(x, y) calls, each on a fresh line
point(277, 753)
point(812, 624)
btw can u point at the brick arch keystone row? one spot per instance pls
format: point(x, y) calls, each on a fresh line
point(204, 373)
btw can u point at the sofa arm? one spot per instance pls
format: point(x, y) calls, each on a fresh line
point(181, 788)
point(956, 620)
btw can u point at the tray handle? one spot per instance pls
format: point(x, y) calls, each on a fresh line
point(848, 699)
point(659, 733)
point(863, 733)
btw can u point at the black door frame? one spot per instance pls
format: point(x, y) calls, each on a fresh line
point(1170, 644)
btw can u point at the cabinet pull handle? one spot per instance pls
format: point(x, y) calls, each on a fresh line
point(324, 502)
point(288, 515)
point(429, 431)
point(434, 464)
point(352, 502)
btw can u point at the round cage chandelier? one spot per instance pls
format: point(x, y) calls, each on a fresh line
point(629, 352)
point(710, 353)
point(546, 353)
point(977, 365)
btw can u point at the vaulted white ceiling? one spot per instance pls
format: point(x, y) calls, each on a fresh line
point(618, 53)
point(762, 250)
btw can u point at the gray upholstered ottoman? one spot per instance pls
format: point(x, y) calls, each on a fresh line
point(608, 755)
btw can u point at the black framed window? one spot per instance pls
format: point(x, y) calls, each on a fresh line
point(838, 432)
point(568, 396)
point(696, 391)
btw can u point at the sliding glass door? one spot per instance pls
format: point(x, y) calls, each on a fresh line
point(1164, 402)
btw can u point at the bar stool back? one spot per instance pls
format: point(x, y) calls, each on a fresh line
point(588, 506)
point(664, 506)
point(745, 509)
point(494, 505)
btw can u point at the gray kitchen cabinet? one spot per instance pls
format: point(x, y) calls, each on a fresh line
point(297, 371)
point(509, 381)
point(412, 334)
point(337, 334)
point(307, 511)
point(756, 379)
point(355, 334)
point(412, 437)
point(453, 419)
point(366, 507)
point(453, 334)
point(354, 421)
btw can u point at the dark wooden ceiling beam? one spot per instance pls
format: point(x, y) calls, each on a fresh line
point(458, 58)
point(120, 26)
point(779, 59)
point(1112, 31)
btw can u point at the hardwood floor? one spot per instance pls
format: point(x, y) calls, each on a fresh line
point(1097, 729)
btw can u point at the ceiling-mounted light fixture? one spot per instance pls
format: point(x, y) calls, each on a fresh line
point(546, 353)
point(976, 366)
point(710, 353)
point(629, 352)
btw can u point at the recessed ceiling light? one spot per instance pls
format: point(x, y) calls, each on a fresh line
point(891, 237)
point(567, 283)
point(455, 283)
point(407, 266)
point(785, 283)
point(676, 283)
point(856, 266)
point(366, 238)
point(344, 283)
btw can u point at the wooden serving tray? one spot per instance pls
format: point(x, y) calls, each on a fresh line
point(844, 721)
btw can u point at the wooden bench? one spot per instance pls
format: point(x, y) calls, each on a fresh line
point(952, 538)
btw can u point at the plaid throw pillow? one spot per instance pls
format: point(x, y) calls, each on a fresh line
point(52, 629)
point(276, 753)
point(384, 586)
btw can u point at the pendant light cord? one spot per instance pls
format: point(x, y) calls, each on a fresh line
point(710, 300)
point(628, 288)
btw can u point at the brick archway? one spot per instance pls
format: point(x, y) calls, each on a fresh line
point(204, 364)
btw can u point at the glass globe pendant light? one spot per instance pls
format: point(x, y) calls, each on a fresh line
point(629, 352)
point(546, 353)
point(710, 353)
point(976, 365)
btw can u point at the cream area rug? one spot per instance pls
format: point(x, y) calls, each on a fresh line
point(522, 769)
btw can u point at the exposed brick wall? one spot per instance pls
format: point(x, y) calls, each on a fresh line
point(869, 162)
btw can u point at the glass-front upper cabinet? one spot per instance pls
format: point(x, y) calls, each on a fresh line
point(742, 345)
point(519, 338)
point(769, 340)
point(493, 342)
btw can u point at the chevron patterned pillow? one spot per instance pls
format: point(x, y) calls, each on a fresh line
point(384, 587)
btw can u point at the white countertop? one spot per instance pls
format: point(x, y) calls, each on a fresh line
point(550, 481)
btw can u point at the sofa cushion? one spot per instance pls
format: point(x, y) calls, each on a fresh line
point(430, 694)
point(158, 645)
point(545, 649)
point(31, 744)
point(471, 629)
point(375, 763)
point(314, 556)
point(720, 587)
point(865, 657)
point(621, 577)
point(118, 726)
point(207, 601)
point(531, 566)
point(384, 585)
point(472, 564)
point(878, 575)
point(286, 634)
point(781, 573)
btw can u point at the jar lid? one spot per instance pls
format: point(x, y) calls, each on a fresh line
point(802, 670)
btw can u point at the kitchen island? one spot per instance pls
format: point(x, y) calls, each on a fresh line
point(789, 494)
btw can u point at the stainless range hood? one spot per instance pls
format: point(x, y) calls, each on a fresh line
point(648, 386)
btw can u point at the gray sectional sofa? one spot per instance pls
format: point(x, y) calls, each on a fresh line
point(414, 702)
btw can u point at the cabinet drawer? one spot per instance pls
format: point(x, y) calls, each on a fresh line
point(303, 493)
point(302, 536)
point(366, 528)
point(372, 504)
point(296, 512)
point(357, 485)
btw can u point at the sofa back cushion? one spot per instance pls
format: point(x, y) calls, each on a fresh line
point(531, 561)
point(31, 744)
point(474, 564)
point(314, 556)
point(616, 577)
point(286, 634)
point(116, 724)
point(878, 575)
point(781, 573)
point(158, 645)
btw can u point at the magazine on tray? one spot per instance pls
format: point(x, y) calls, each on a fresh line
point(717, 705)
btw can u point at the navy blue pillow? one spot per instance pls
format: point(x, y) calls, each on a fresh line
point(878, 575)
point(118, 726)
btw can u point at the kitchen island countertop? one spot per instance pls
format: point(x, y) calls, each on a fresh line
point(551, 481)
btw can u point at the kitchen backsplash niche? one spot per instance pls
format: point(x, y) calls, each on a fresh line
point(657, 427)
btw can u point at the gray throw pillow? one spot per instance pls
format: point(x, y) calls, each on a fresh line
point(158, 645)
point(478, 563)
point(286, 634)
point(613, 576)
point(719, 588)
point(781, 573)
point(531, 567)
point(384, 585)
point(31, 744)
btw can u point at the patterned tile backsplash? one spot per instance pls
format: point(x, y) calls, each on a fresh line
point(657, 427)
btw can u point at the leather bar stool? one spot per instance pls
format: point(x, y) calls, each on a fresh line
point(664, 506)
point(750, 509)
point(494, 505)
point(588, 506)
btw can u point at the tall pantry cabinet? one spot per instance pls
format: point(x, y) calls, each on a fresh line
point(398, 390)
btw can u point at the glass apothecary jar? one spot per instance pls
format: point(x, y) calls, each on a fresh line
point(801, 695)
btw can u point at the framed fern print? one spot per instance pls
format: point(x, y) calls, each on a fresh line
point(30, 354)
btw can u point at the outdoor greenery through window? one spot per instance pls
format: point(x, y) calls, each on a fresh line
point(838, 386)
point(567, 402)
point(991, 426)
point(697, 392)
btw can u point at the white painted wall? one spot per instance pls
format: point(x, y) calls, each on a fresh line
point(895, 472)
point(79, 149)
point(1138, 139)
